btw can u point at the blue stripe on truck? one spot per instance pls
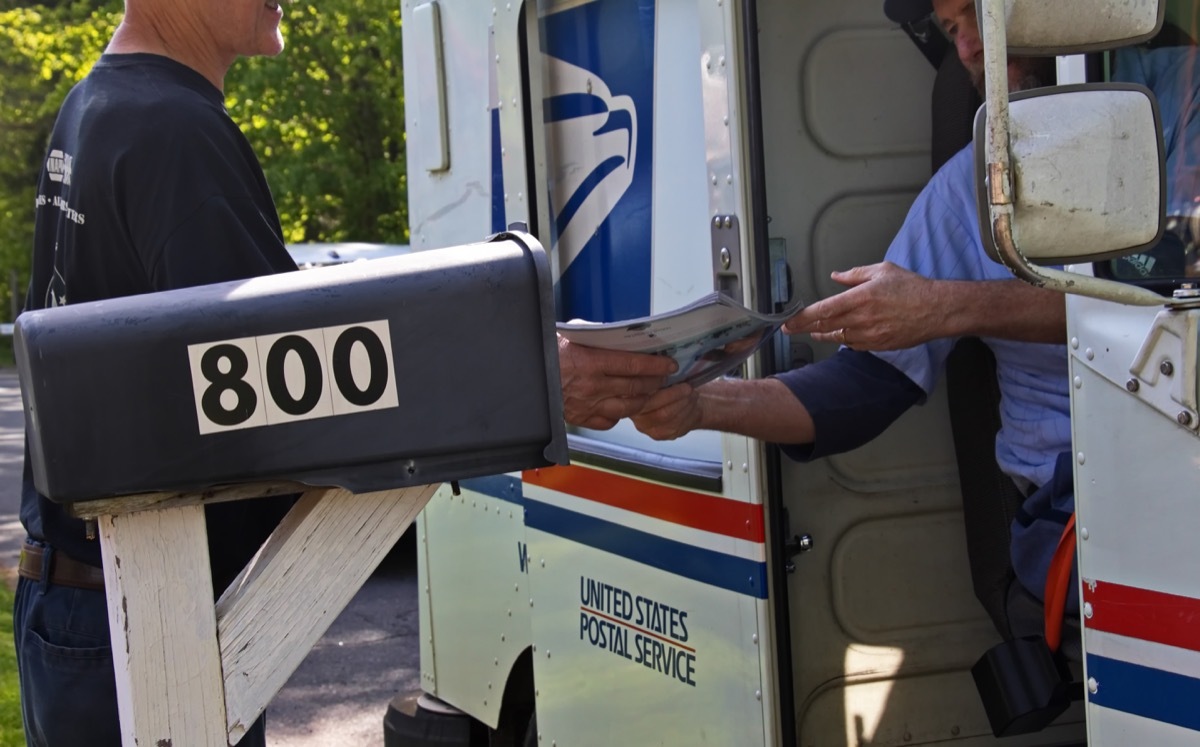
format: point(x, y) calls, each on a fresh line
point(699, 564)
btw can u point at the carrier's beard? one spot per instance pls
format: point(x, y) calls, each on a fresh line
point(1024, 73)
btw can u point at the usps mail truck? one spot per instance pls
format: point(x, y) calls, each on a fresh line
point(708, 590)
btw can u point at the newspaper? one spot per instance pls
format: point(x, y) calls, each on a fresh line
point(707, 338)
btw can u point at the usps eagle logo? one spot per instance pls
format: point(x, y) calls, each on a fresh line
point(594, 135)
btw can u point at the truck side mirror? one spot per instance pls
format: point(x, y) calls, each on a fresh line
point(1087, 176)
point(1073, 172)
point(1076, 26)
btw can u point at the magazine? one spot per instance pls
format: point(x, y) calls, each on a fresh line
point(707, 338)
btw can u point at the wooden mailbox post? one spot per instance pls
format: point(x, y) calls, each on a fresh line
point(383, 378)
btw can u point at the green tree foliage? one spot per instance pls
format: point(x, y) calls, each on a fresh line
point(44, 50)
point(327, 121)
point(326, 118)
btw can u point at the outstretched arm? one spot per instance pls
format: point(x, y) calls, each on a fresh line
point(890, 308)
point(764, 409)
point(602, 386)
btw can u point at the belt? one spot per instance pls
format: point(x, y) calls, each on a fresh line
point(64, 570)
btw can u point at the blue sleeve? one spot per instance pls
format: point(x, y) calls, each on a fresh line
point(1173, 74)
point(852, 398)
point(940, 240)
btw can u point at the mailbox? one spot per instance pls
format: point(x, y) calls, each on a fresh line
point(416, 369)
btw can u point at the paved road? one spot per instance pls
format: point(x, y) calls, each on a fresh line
point(12, 439)
point(338, 695)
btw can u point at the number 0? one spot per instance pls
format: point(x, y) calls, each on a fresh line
point(343, 375)
point(310, 363)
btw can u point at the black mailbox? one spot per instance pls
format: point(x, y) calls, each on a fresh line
point(428, 367)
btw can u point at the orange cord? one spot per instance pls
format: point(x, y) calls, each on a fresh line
point(1058, 582)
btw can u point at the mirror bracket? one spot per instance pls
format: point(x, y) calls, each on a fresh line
point(1066, 282)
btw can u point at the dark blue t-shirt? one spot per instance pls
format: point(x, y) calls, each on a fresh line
point(148, 185)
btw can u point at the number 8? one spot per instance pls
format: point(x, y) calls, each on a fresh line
point(230, 381)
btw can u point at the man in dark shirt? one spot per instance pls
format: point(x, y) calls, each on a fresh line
point(148, 185)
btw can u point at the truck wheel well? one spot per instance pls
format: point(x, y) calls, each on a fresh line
point(517, 707)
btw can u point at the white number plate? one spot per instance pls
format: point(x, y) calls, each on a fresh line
point(314, 373)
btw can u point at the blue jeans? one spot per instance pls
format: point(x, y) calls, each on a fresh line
point(1037, 528)
point(64, 661)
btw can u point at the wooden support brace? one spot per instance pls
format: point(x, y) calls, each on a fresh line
point(189, 673)
point(307, 572)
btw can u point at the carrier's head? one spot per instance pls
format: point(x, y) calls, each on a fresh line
point(956, 20)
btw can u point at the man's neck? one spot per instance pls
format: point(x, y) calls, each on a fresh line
point(174, 38)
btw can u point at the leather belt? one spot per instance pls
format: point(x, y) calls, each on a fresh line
point(64, 570)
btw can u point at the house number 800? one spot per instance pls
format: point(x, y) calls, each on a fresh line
point(297, 369)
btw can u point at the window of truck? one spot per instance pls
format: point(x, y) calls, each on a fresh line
point(1166, 64)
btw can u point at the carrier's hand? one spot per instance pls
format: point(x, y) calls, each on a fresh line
point(602, 386)
point(885, 308)
point(669, 414)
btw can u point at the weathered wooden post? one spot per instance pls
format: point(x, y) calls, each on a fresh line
point(380, 378)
